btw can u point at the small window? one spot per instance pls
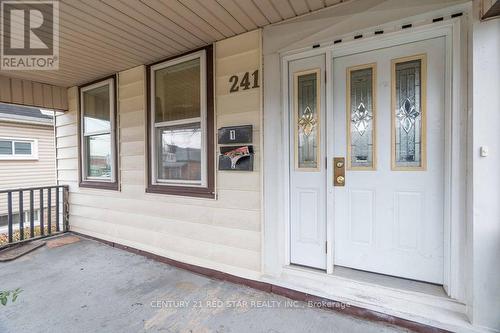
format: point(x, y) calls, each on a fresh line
point(361, 85)
point(307, 120)
point(180, 125)
point(6, 148)
point(98, 138)
point(22, 148)
point(18, 149)
point(408, 118)
point(36, 216)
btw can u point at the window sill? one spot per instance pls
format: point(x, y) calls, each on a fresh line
point(99, 185)
point(18, 158)
point(186, 191)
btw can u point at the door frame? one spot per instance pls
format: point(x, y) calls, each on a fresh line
point(455, 193)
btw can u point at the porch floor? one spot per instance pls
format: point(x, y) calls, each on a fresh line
point(87, 286)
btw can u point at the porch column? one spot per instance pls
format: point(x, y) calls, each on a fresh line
point(485, 289)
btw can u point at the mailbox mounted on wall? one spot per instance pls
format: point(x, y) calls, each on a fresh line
point(235, 134)
point(236, 158)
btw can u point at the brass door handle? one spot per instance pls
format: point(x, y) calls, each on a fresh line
point(338, 171)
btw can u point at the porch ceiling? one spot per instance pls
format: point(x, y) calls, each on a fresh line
point(101, 37)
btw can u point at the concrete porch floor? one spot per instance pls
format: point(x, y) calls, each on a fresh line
point(91, 287)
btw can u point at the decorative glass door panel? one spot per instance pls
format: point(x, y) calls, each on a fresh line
point(361, 117)
point(408, 100)
point(307, 119)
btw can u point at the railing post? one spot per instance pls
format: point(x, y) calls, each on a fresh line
point(49, 210)
point(21, 216)
point(66, 208)
point(9, 216)
point(57, 209)
point(32, 217)
point(42, 231)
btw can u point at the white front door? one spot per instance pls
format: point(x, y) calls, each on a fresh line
point(388, 123)
point(307, 162)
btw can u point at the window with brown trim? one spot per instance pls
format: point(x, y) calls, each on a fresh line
point(97, 134)
point(180, 125)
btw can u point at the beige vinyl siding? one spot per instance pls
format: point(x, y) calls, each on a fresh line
point(27, 173)
point(222, 234)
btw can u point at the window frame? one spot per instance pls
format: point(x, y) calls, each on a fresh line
point(20, 157)
point(205, 187)
point(201, 119)
point(96, 182)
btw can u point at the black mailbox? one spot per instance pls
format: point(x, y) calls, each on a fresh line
point(236, 158)
point(235, 134)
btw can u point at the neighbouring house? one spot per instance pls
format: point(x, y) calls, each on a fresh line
point(363, 140)
point(27, 157)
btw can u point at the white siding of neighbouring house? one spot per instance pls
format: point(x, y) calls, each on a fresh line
point(223, 234)
point(27, 173)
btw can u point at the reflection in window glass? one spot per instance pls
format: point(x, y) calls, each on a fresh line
point(99, 156)
point(178, 121)
point(361, 118)
point(96, 115)
point(307, 140)
point(177, 91)
point(179, 152)
point(22, 148)
point(97, 112)
point(408, 114)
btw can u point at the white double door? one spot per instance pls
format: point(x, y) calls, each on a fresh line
point(387, 121)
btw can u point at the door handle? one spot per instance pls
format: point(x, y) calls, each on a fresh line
point(339, 171)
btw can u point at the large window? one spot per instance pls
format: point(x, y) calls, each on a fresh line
point(181, 125)
point(18, 149)
point(97, 139)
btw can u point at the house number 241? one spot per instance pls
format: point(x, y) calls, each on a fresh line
point(244, 83)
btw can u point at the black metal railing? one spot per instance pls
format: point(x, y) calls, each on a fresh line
point(47, 213)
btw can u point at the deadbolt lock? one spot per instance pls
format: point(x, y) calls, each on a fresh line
point(339, 171)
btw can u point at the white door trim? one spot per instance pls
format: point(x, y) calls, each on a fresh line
point(456, 124)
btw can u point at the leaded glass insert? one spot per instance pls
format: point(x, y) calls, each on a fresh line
point(361, 117)
point(408, 113)
point(307, 120)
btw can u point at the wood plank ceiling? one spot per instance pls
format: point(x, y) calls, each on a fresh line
point(102, 37)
